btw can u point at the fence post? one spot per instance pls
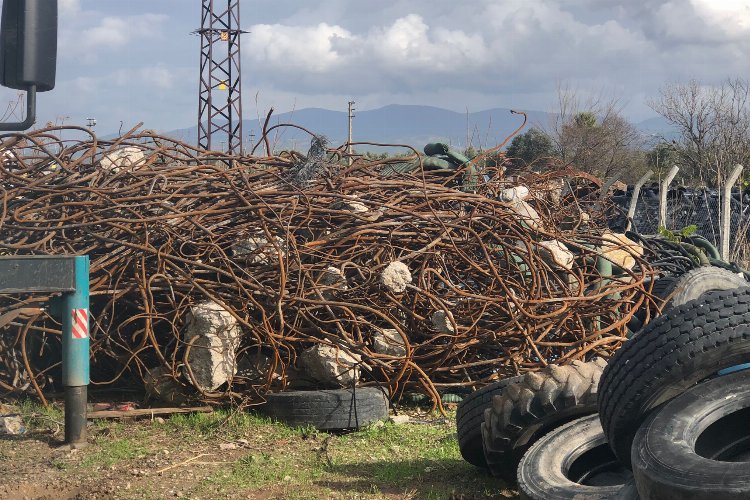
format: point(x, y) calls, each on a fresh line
point(608, 184)
point(726, 211)
point(634, 198)
point(663, 195)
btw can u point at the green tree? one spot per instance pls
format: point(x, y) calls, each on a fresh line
point(529, 149)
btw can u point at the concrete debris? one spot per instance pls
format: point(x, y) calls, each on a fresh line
point(620, 249)
point(214, 336)
point(258, 250)
point(330, 366)
point(351, 205)
point(12, 424)
point(128, 156)
point(527, 214)
point(399, 419)
point(555, 253)
point(161, 386)
point(388, 341)
point(515, 194)
point(396, 276)
point(442, 321)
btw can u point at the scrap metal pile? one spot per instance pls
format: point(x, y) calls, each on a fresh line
point(257, 263)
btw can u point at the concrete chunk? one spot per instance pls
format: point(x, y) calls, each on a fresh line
point(214, 335)
point(388, 341)
point(330, 366)
point(395, 277)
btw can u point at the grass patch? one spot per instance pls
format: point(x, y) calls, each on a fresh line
point(231, 424)
point(111, 451)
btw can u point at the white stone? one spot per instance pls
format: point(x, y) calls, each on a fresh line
point(388, 341)
point(12, 424)
point(258, 250)
point(396, 276)
point(441, 320)
point(350, 204)
point(215, 336)
point(330, 366)
point(527, 214)
point(555, 252)
point(399, 419)
point(128, 156)
point(515, 194)
point(620, 249)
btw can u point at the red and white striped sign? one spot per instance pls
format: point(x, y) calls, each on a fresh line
point(80, 323)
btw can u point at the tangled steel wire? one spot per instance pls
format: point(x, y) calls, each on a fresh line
point(170, 226)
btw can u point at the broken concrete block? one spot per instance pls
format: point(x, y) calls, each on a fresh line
point(161, 386)
point(388, 341)
point(330, 366)
point(12, 424)
point(258, 250)
point(527, 214)
point(350, 204)
point(515, 194)
point(620, 249)
point(399, 419)
point(396, 276)
point(441, 320)
point(214, 336)
point(556, 254)
point(128, 156)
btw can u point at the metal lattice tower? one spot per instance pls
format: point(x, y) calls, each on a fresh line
point(219, 98)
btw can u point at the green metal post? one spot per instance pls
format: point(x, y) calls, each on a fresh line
point(75, 346)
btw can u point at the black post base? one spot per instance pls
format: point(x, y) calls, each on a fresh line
point(75, 415)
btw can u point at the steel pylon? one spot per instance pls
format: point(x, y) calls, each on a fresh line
point(219, 95)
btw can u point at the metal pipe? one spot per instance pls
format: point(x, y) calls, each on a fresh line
point(75, 347)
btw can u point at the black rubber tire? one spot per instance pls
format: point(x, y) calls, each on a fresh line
point(469, 417)
point(684, 451)
point(577, 451)
point(695, 283)
point(537, 404)
point(686, 345)
point(335, 409)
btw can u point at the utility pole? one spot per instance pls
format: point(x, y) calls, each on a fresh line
point(219, 97)
point(349, 141)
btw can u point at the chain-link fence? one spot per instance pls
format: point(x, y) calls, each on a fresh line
point(699, 207)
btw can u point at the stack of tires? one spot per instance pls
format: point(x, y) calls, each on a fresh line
point(673, 407)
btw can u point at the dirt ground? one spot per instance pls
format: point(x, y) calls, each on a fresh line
point(231, 454)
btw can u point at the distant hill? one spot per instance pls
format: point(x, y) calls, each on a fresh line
point(393, 124)
point(399, 124)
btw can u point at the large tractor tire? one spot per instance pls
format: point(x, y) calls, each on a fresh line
point(469, 418)
point(540, 402)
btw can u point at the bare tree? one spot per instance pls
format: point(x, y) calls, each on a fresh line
point(591, 134)
point(712, 124)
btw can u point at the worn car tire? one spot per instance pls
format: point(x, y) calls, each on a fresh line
point(686, 345)
point(696, 282)
point(335, 409)
point(574, 462)
point(469, 417)
point(693, 447)
point(537, 404)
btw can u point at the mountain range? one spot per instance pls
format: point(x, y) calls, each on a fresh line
point(398, 124)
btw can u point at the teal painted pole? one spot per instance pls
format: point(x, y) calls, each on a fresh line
point(75, 346)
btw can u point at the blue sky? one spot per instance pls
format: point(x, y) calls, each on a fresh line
point(135, 60)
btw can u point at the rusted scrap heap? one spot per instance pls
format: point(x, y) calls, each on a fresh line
point(419, 284)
